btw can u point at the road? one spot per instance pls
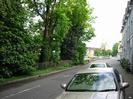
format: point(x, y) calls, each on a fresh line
point(49, 87)
point(46, 88)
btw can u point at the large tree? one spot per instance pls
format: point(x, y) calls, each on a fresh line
point(115, 49)
point(54, 25)
point(16, 49)
point(80, 30)
point(67, 21)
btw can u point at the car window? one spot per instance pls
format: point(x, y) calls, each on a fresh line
point(108, 65)
point(117, 76)
point(92, 82)
point(97, 66)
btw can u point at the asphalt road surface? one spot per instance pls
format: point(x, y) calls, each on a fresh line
point(46, 88)
point(49, 87)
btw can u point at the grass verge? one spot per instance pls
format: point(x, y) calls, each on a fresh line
point(41, 72)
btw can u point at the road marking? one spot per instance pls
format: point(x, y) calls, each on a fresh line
point(11, 95)
point(66, 76)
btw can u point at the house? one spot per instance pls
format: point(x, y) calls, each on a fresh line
point(90, 52)
point(127, 34)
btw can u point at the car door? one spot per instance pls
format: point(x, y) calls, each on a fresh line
point(120, 81)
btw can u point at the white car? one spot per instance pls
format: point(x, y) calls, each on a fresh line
point(99, 65)
point(95, 83)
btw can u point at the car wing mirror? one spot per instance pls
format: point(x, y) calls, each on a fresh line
point(124, 85)
point(63, 86)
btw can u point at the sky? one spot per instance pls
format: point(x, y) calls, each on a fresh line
point(108, 23)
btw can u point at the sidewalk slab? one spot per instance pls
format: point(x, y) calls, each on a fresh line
point(128, 77)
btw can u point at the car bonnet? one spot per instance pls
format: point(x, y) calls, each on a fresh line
point(88, 95)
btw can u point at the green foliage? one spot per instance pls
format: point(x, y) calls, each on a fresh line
point(63, 21)
point(60, 30)
point(101, 52)
point(115, 49)
point(58, 33)
point(125, 64)
point(5, 72)
point(55, 24)
point(80, 30)
point(78, 57)
point(17, 49)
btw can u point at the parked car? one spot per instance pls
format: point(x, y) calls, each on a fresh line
point(86, 58)
point(95, 83)
point(99, 65)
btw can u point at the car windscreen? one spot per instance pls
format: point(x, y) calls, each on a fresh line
point(97, 66)
point(108, 65)
point(92, 82)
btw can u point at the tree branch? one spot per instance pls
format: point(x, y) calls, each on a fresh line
point(37, 10)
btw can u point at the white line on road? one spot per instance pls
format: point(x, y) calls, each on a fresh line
point(21, 92)
point(66, 76)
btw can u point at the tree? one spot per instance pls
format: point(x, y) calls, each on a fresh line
point(55, 24)
point(80, 51)
point(80, 30)
point(102, 52)
point(115, 49)
point(17, 54)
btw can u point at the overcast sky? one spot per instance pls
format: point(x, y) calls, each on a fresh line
point(109, 21)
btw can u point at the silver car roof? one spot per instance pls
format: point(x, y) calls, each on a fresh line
point(96, 70)
point(98, 63)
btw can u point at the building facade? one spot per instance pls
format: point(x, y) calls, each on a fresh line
point(90, 52)
point(127, 34)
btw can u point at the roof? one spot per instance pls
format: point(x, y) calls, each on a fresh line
point(98, 63)
point(96, 70)
point(127, 13)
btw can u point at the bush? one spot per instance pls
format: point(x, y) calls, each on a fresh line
point(27, 70)
point(78, 57)
point(5, 72)
point(18, 49)
point(125, 64)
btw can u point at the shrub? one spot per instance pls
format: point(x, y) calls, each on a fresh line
point(27, 70)
point(18, 52)
point(5, 72)
point(78, 57)
point(125, 64)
